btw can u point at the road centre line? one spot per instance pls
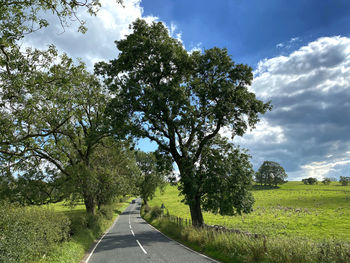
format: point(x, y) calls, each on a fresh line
point(144, 251)
point(132, 232)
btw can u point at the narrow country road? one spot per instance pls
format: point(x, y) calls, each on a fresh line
point(132, 240)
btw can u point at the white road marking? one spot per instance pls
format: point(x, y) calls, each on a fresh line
point(144, 251)
point(132, 232)
point(87, 260)
point(182, 245)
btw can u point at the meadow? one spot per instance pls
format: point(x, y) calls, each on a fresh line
point(318, 212)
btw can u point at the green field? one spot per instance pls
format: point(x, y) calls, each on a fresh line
point(318, 212)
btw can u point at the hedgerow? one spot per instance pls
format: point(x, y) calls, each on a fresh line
point(27, 233)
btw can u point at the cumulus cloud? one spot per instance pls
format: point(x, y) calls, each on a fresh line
point(307, 131)
point(111, 24)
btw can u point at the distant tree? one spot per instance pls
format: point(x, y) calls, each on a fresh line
point(310, 181)
point(344, 180)
point(270, 173)
point(152, 176)
point(179, 100)
point(326, 181)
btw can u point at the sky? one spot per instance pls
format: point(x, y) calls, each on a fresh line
point(299, 51)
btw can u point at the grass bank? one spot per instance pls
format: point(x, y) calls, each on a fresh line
point(84, 231)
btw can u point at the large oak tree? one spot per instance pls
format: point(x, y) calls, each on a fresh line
point(178, 99)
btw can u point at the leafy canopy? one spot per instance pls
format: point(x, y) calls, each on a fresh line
point(180, 100)
point(271, 173)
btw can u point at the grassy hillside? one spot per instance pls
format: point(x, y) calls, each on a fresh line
point(315, 211)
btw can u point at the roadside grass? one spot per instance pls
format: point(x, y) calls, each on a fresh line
point(318, 212)
point(83, 237)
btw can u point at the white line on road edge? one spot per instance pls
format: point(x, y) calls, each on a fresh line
point(132, 232)
point(182, 245)
point(144, 251)
point(130, 226)
point(87, 260)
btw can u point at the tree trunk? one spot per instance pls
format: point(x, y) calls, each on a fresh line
point(145, 201)
point(90, 205)
point(190, 189)
point(196, 212)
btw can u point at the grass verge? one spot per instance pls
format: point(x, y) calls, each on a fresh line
point(85, 230)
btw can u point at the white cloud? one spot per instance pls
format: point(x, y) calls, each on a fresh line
point(323, 169)
point(264, 133)
point(111, 24)
point(307, 131)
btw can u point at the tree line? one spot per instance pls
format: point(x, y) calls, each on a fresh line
point(66, 133)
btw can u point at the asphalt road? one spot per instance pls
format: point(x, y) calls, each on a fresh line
point(132, 240)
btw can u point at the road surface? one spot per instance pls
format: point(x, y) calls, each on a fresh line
point(132, 240)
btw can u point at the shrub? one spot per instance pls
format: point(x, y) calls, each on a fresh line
point(344, 180)
point(146, 209)
point(78, 222)
point(309, 181)
point(326, 181)
point(28, 232)
point(155, 212)
point(107, 211)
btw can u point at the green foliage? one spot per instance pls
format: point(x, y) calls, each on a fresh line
point(270, 173)
point(51, 109)
point(107, 211)
point(155, 212)
point(226, 174)
point(310, 181)
point(152, 174)
point(82, 237)
point(18, 18)
point(326, 181)
point(27, 233)
point(177, 99)
point(344, 180)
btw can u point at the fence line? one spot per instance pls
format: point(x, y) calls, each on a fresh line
point(188, 222)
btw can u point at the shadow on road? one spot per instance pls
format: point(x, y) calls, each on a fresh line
point(117, 241)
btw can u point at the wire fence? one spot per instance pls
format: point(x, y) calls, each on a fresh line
point(188, 222)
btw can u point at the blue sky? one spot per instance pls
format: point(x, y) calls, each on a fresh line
point(299, 50)
point(251, 29)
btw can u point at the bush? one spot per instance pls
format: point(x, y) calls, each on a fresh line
point(78, 222)
point(152, 213)
point(146, 209)
point(344, 180)
point(326, 181)
point(310, 181)
point(27, 233)
point(107, 211)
